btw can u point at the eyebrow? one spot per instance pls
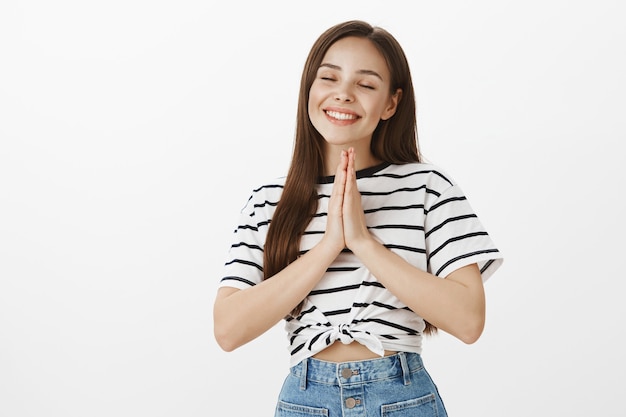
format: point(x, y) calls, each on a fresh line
point(363, 71)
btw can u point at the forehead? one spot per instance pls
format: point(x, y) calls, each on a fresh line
point(356, 54)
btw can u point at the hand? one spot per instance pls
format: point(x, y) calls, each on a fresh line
point(354, 226)
point(334, 223)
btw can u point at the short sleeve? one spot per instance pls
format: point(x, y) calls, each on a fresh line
point(243, 267)
point(455, 236)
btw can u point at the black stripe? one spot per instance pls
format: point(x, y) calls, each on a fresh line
point(305, 312)
point(408, 330)
point(398, 208)
point(234, 278)
point(297, 349)
point(397, 226)
point(446, 201)
point(378, 304)
point(244, 262)
point(337, 312)
point(335, 289)
point(406, 248)
point(344, 250)
point(487, 265)
point(456, 239)
point(448, 220)
point(362, 173)
point(397, 190)
point(347, 288)
point(463, 257)
point(298, 330)
point(372, 284)
point(237, 245)
point(314, 339)
point(301, 328)
point(425, 171)
point(267, 186)
point(388, 336)
point(342, 269)
point(266, 203)
point(247, 227)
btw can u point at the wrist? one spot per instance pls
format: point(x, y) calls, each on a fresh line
point(330, 248)
point(363, 248)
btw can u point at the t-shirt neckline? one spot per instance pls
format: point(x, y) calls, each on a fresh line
point(362, 173)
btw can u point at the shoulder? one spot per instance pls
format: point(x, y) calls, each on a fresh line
point(264, 193)
point(269, 187)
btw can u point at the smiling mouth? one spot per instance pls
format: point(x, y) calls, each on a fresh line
point(341, 116)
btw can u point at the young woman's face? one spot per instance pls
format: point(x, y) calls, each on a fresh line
point(351, 93)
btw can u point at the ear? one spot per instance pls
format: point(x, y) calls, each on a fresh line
point(393, 105)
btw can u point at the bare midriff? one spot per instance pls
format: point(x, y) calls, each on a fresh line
point(339, 352)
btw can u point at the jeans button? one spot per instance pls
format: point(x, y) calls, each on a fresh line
point(350, 402)
point(346, 373)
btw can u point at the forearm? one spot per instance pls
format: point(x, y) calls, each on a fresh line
point(242, 315)
point(455, 304)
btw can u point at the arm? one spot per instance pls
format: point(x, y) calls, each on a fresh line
point(455, 304)
point(240, 316)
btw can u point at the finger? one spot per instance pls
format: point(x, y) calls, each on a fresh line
point(344, 161)
point(340, 173)
point(339, 185)
point(334, 224)
point(354, 224)
point(351, 171)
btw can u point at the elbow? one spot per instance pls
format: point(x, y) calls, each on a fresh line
point(225, 333)
point(470, 337)
point(225, 328)
point(473, 323)
point(224, 339)
point(226, 347)
point(471, 331)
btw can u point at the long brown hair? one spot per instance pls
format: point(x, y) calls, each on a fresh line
point(394, 140)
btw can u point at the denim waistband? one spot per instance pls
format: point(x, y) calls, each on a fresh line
point(401, 364)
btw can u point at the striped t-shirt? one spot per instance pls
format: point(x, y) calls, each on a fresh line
point(415, 210)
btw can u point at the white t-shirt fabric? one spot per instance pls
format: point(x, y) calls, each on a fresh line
point(415, 210)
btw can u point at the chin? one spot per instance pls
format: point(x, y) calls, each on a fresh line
point(340, 140)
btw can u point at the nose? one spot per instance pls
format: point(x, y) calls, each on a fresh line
point(344, 95)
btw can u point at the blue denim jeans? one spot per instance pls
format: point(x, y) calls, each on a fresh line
point(393, 386)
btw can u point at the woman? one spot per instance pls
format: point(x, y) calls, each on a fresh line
point(362, 248)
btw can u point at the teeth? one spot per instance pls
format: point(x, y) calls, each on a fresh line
point(340, 116)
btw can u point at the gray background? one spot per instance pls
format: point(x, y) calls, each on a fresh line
point(132, 132)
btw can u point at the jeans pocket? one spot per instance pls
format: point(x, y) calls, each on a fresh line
point(425, 406)
point(285, 409)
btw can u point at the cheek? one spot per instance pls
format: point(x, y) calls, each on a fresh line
point(383, 105)
point(314, 95)
point(311, 106)
point(315, 100)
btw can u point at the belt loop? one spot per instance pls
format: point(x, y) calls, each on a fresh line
point(303, 375)
point(406, 375)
